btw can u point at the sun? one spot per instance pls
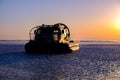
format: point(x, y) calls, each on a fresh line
point(117, 22)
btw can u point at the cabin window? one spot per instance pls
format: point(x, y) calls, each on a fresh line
point(38, 32)
point(55, 37)
point(55, 31)
point(63, 31)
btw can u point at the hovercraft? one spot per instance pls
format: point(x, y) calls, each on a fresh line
point(49, 39)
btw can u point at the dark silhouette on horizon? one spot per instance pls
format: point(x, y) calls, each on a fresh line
point(51, 38)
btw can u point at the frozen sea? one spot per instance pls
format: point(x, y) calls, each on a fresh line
point(95, 60)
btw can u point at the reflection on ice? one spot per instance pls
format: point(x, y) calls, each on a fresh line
point(91, 62)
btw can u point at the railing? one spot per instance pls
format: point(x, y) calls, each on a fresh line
point(32, 32)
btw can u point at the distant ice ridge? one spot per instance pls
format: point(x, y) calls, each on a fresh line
point(99, 42)
point(8, 42)
point(22, 42)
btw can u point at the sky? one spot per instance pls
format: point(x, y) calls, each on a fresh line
point(87, 19)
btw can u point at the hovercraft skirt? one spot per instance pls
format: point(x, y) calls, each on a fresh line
point(33, 47)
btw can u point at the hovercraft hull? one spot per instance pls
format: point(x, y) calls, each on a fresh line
point(33, 47)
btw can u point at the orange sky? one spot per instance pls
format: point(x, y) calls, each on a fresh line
point(102, 27)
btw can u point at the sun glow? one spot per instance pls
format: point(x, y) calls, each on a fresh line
point(117, 22)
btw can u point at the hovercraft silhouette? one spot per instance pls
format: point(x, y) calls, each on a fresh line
point(50, 38)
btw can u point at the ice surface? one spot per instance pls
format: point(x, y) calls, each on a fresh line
point(91, 62)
